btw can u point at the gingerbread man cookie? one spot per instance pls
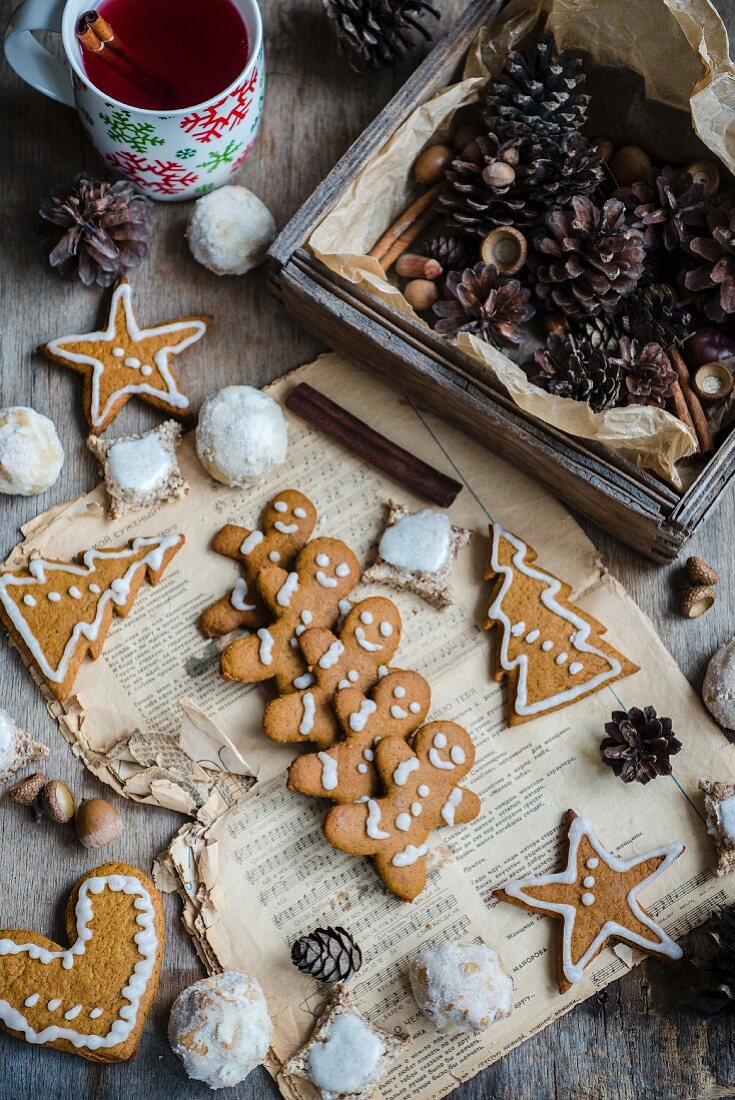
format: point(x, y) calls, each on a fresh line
point(57, 612)
point(91, 998)
point(123, 360)
point(324, 573)
point(423, 793)
point(596, 895)
point(288, 521)
point(368, 639)
point(396, 706)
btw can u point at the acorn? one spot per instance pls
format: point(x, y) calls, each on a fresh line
point(707, 174)
point(57, 802)
point(630, 165)
point(430, 165)
point(26, 791)
point(713, 382)
point(465, 134)
point(411, 266)
point(97, 823)
point(700, 573)
point(696, 601)
point(505, 247)
point(421, 294)
point(499, 175)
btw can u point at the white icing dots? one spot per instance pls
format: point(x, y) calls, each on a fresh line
point(562, 658)
point(417, 809)
point(304, 681)
point(415, 708)
point(274, 556)
point(403, 822)
point(29, 600)
point(329, 771)
point(342, 570)
point(423, 790)
point(362, 768)
point(517, 629)
point(399, 692)
point(440, 741)
point(592, 862)
point(386, 629)
point(118, 352)
point(368, 754)
point(280, 506)
point(372, 825)
point(588, 899)
point(54, 596)
point(73, 1012)
point(146, 369)
point(547, 645)
point(532, 636)
point(575, 667)
point(95, 1014)
point(53, 1004)
point(322, 560)
point(366, 617)
point(95, 589)
point(457, 754)
point(588, 881)
point(353, 676)
point(32, 1001)
point(300, 513)
point(132, 361)
point(404, 769)
point(75, 593)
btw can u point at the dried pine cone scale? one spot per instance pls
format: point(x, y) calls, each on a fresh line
point(714, 278)
point(376, 33)
point(484, 304)
point(648, 375)
point(667, 208)
point(328, 954)
point(639, 745)
point(95, 229)
point(653, 314)
point(579, 372)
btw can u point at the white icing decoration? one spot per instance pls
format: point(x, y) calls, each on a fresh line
point(332, 656)
point(420, 542)
point(409, 855)
point(726, 816)
point(457, 754)
point(562, 658)
point(358, 719)
point(404, 769)
point(399, 692)
point(117, 593)
point(307, 618)
point(146, 942)
point(265, 652)
point(32, 1001)
point(382, 671)
point(132, 361)
point(329, 771)
point(304, 681)
point(588, 899)
point(353, 676)
point(368, 754)
point(118, 352)
point(169, 394)
point(29, 600)
point(517, 629)
point(549, 600)
point(372, 825)
point(346, 1061)
point(588, 881)
point(95, 1014)
point(342, 570)
point(274, 556)
point(575, 667)
point(366, 617)
point(322, 560)
point(532, 636)
point(581, 827)
point(386, 629)
point(280, 506)
point(287, 590)
point(300, 513)
point(307, 722)
point(440, 740)
point(371, 647)
point(140, 465)
point(75, 593)
point(450, 806)
point(238, 594)
point(398, 712)
point(146, 369)
point(324, 581)
point(417, 809)
point(54, 597)
point(286, 528)
point(423, 790)
point(253, 539)
point(403, 822)
point(546, 646)
point(414, 707)
point(362, 768)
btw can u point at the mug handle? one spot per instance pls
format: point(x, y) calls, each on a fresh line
point(31, 61)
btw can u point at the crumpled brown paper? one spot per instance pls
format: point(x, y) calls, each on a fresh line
point(680, 49)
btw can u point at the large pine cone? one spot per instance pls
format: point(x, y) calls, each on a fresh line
point(580, 372)
point(95, 229)
point(667, 207)
point(714, 278)
point(537, 94)
point(376, 33)
point(588, 259)
point(652, 314)
point(639, 744)
point(647, 373)
point(485, 304)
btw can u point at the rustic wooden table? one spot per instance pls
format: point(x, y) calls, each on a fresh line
point(641, 1036)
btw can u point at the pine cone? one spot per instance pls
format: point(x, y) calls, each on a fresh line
point(328, 954)
point(485, 304)
point(716, 991)
point(652, 314)
point(577, 371)
point(95, 229)
point(587, 259)
point(638, 745)
point(376, 33)
point(453, 253)
point(537, 94)
point(648, 376)
point(603, 331)
point(667, 207)
point(714, 278)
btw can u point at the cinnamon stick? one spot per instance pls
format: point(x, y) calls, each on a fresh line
point(371, 446)
point(694, 405)
point(97, 35)
point(407, 238)
point(680, 408)
point(405, 222)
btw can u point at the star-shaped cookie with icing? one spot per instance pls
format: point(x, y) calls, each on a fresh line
point(596, 896)
point(122, 360)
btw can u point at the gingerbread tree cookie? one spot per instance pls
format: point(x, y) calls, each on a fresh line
point(596, 895)
point(550, 651)
point(57, 612)
point(324, 573)
point(367, 641)
point(123, 360)
point(288, 521)
point(422, 794)
point(395, 707)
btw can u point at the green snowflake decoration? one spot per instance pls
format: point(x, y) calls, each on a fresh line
point(185, 154)
point(203, 188)
point(140, 136)
point(217, 158)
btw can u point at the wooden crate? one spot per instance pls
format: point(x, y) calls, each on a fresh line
point(633, 505)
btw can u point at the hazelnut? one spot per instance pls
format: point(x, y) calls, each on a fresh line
point(57, 802)
point(26, 791)
point(421, 294)
point(499, 176)
point(696, 601)
point(412, 266)
point(630, 165)
point(700, 573)
point(430, 165)
point(97, 823)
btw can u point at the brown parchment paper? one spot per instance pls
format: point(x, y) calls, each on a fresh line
point(679, 48)
point(266, 857)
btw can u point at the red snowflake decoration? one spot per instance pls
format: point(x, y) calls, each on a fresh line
point(166, 177)
point(222, 116)
point(236, 164)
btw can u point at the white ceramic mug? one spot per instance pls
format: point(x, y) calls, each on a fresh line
point(178, 155)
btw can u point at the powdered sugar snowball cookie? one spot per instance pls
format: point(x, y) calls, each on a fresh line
point(241, 435)
point(17, 748)
point(230, 230)
point(140, 470)
point(461, 987)
point(718, 690)
point(31, 455)
point(220, 1028)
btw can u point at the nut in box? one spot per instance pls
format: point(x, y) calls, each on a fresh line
point(541, 251)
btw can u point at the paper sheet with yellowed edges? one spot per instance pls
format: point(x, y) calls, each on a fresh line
point(688, 71)
point(265, 855)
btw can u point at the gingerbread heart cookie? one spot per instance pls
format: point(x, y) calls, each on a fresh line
point(90, 998)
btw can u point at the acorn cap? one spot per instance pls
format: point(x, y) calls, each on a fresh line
point(700, 573)
point(707, 174)
point(26, 791)
point(696, 601)
point(713, 382)
point(506, 248)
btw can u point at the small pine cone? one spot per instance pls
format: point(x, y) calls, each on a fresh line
point(639, 744)
point(715, 991)
point(580, 372)
point(652, 314)
point(603, 331)
point(587, 259)
point(376, 33)
point(453, 253)
point(714, 277)
point(485, 304)
point(667, 208)
point(328, 954)
point(95, 229)
point(648, 376)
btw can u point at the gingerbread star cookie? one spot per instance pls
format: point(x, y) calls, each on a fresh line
point(90, 998)
point(596, 895)
point(123, 360)
point(549, 650)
